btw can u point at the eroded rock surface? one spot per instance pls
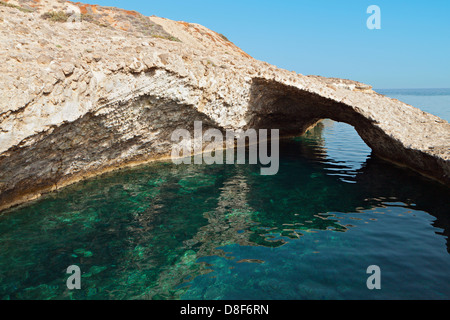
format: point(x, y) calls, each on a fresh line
point(79, 99)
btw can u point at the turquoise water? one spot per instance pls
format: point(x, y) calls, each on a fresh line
point(163, 231)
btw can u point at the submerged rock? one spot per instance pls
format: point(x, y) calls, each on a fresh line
point(109, 91)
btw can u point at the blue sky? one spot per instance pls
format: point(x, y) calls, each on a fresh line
point(328, 37)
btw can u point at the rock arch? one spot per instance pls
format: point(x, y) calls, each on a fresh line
point(71, 114)
point(388, 131)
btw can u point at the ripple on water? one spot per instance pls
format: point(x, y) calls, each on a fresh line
point(225, 232)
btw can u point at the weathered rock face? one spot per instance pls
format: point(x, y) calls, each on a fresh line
point(79, 101)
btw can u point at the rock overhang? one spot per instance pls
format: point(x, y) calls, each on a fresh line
point(94, 80)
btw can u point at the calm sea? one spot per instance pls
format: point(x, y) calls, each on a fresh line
point(162, 231)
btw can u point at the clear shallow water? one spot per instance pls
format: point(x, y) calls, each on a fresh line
point(224, 232)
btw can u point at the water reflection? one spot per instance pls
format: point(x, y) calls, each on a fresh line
point(152, 232)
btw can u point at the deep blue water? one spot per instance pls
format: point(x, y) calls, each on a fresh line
point(163, 231)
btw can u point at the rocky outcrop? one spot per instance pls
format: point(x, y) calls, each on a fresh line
point(107, 92)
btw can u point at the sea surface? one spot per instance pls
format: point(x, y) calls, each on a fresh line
point(163, 231)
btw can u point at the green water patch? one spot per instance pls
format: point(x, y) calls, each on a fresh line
point(163, 231)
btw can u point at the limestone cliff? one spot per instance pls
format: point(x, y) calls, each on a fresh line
point(89, 93)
